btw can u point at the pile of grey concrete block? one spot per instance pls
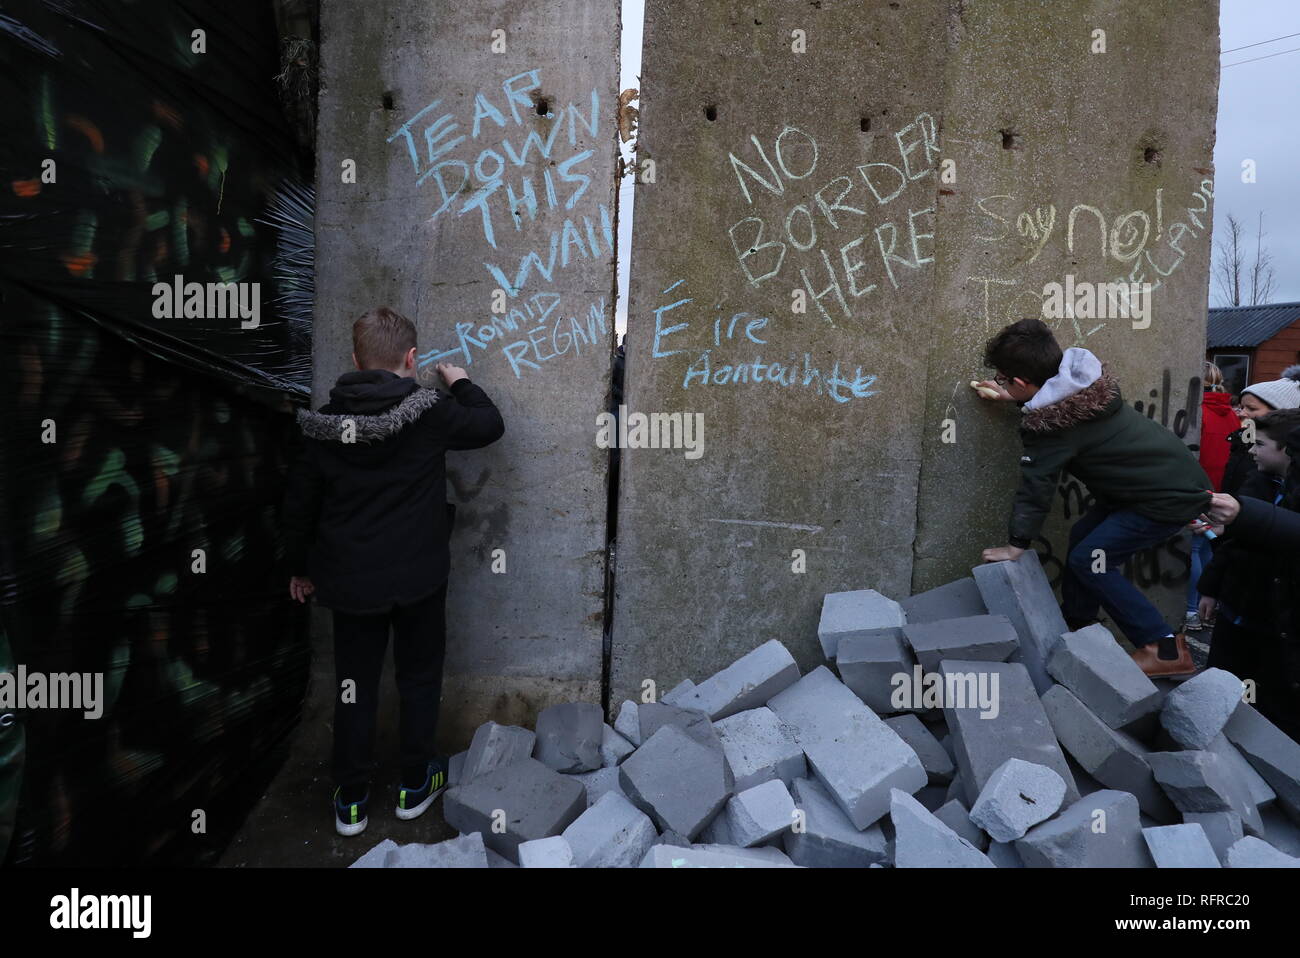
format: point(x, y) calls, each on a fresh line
point(964, 727)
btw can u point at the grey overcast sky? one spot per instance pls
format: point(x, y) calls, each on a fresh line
point(1259, 119)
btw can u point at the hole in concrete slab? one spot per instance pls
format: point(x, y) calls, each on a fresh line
point(1010, 140)
point(542, 106)
point(388, 100)
point(894, 6)
point(865, 124)
point(1152, 155)
point(1028, 799)
point(710, 112)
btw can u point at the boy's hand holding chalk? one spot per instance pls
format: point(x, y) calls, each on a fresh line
point(988, 389)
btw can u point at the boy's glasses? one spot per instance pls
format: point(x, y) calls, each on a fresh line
point(1001, 380)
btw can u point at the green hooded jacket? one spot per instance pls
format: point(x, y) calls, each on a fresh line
point(1126, 460)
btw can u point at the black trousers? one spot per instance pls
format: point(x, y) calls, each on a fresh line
point(360, 641)
point(1252, 654)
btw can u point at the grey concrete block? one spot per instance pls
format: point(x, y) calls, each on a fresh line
point(1070, 841)
point(613, 833)
point(1113, 757)
point(868, 663)
point(1222, 829)
point(674, 695)
point(569, 736)
point(598, 782)
point(628, 724)
point(946, 741)
point(671, 837)
point(1020, 591)
point(760, 853)
point(455, 767)
point(760, 747)
point(938, 765)
point(694, 722)
point(759, 814)
point(717, 831)
point(980, 638)
point(552, 852)
point(495, 746)
point(955, 600)
point(1016, 797)
point(613, 747)
point(1199, 781)
point(1261, 793)
point(846, 614)
point(1279, 831)
point(956, 790)
point(534, 801)
point(956, 816)
point(673, 856)
point(1251, 852)
point(498, 861)
point(1271, 752)
point(1092, 665)
point(826, 838)
point(464, 851)
point(376, 856)
point(676, 780)
point(1004, 855)
point(1180, 846)
point(1198, 709)
point(849, 749)
point(746, 683)
point(923, 841)
point(1019, 729)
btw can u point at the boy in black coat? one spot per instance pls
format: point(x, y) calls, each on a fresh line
point(1146, 485)
point(366, 524)
point(1254, 577)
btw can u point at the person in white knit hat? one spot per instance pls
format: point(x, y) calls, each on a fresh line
point(1258, 400)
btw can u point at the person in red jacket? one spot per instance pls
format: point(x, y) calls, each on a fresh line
point(1218, 422)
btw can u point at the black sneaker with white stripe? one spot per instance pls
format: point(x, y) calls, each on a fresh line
point(412, 802)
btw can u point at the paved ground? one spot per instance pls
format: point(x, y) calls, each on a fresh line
point(292, 826)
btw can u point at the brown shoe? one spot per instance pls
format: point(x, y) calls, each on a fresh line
point(1149, 661)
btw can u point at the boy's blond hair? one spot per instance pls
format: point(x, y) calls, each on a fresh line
point(381, 338)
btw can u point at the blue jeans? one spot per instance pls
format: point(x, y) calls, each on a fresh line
point(1201, 555)
point(1119, 534)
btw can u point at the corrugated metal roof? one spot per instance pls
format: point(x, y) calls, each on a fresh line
point(1248, 325)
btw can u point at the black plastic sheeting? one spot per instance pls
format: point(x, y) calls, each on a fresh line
point(164, 160)
point(142, 459)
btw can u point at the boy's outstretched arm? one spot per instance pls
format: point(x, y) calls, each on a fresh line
point(1256, 523)
point(1041, 465)
point(304, 490)
point(471, 420)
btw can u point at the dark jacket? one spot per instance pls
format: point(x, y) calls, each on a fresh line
point(367, 520)
point(1126, 460)
point(1240, 574)
point(1271, 535)
point(1240, 465)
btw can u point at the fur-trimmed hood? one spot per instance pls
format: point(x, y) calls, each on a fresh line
point(1089, 403)
point(328, 427)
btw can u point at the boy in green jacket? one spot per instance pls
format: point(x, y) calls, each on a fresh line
point(1146, 485)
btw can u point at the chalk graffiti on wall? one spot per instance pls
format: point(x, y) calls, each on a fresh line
point(1136, 240)
point(515, 179)
point(877, 252)
point(743, 329)
point(534, 332)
